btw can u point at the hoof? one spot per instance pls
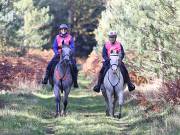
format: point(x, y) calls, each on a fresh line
point(107, 113)
point(56, 115)
point(63, 113)
point(119, 116)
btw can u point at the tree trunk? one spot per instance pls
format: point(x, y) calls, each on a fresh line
point(162, 65)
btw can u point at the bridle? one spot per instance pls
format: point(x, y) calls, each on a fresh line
point(116, 75)
point(62, 61)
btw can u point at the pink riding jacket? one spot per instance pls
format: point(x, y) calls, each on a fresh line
point(66, 40)
point(116, 46)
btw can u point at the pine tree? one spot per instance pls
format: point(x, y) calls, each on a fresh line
point(8, 25)
point(23, 25)
point(150, 28)
point(34, 31)
point(82, 17)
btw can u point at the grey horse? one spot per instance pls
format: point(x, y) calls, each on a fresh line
point(62, 80)
point(113, 85)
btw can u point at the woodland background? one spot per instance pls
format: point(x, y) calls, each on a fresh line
point(149, 32)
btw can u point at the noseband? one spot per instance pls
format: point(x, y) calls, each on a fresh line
point(114, 65)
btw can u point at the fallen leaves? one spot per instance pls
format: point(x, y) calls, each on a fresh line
point(30, 67)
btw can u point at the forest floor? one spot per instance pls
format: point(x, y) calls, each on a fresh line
point(15, 69)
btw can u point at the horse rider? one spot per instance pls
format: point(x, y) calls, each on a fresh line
point(112, 44)
point(62, 38)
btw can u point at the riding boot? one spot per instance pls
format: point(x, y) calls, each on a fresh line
point(74, 73)
point(131, 86)
point(100, 80)
point(46, 77)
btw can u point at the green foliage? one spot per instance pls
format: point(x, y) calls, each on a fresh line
point(84, 15)
point(34, 23)
point(6, 22)
point(23, 24)
point(81, 15)
point(150, 28)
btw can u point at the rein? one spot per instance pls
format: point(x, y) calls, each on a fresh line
point(65, 55)
point(113, 65)
point(116, 75)
point(64, 72)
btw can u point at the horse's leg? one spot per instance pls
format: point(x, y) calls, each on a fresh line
point(110, 104)
point(57, 99)
point(106, 101)
point(120, 102)
point(120, 111)
point(65, 101)
point(114, 102)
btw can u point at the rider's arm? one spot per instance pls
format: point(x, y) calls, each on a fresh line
point(72, 45)
point(122, 53)
point(55, 47)
point(104, 54)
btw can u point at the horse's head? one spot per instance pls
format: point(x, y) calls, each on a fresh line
point(66, 53)
point(114, 60)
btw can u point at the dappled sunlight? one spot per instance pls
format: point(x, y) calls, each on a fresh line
point(85, 114)
point(43, 96)
point(88, 125)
